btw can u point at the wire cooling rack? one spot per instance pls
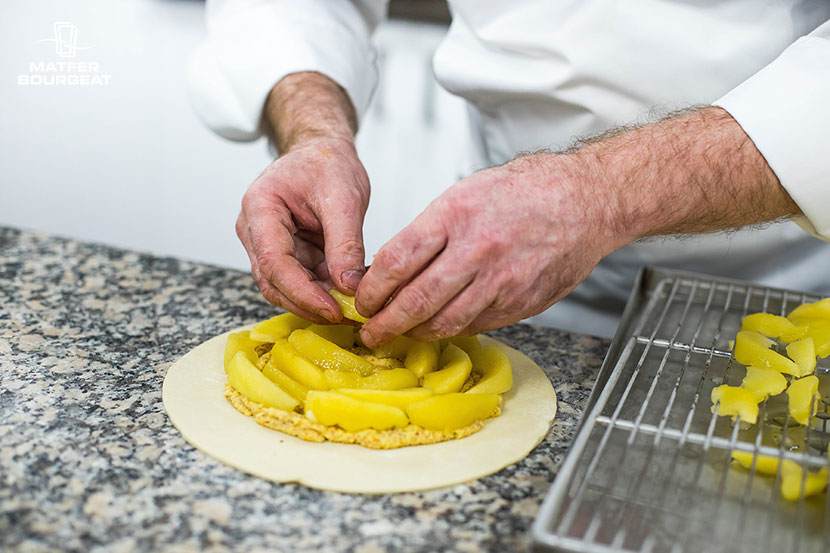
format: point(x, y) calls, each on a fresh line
point(650, 469)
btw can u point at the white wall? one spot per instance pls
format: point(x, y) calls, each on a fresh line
point(129, 164)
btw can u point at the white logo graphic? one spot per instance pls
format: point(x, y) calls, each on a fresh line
point(66, 39)
point(64, 73)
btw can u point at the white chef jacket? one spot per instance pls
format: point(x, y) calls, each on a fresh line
point(538, 73)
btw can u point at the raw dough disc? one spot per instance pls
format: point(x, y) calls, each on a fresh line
point(193, 397)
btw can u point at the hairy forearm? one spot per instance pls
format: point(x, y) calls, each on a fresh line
point(307, 106)
point(695, 172)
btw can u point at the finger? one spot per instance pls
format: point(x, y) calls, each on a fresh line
point(275, 297)
point(457, 315)
point(309, 255)
point(272, 242)
point(491, 319)
point(268, 290)
point(314, 237)
point(342, 222)
point(419, 300)
point(398, 261)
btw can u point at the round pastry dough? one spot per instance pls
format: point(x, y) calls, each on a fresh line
point(193, 395)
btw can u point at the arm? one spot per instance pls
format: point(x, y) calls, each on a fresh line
point(253, 44)
point(508, 242)
point(301, 220)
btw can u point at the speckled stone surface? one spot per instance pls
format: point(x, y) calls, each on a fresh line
point(90, 462)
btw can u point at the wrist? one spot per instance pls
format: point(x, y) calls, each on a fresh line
point(305, 108)
point(570, 188)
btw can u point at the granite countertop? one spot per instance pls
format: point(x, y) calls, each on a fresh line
point(90, 462)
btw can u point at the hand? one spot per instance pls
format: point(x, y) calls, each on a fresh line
point(301, 225)
point(508, 242)
point(499, 246)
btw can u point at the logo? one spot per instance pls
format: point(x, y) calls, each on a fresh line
point(66, 39)
point(56, 72)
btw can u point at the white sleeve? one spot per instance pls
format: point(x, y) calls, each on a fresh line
point(785, 110)
point(252, 44)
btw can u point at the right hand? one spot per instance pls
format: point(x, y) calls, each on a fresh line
point(302, 226)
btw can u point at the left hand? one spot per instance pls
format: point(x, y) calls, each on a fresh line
point(501, 245)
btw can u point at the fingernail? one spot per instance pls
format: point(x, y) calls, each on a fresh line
point(351, 278)
point(328, 314)
point(367, 338)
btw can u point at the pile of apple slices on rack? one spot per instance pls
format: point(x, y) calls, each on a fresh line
point(324, 373)
point(805, 332)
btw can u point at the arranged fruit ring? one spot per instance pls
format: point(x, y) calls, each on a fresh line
point(318, 383)
point(193, 398)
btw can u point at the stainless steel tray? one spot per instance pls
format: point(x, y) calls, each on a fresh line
point(650, 468)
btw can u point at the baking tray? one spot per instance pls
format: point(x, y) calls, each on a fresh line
point(650, 469)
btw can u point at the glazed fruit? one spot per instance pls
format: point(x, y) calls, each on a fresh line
point(451, 411)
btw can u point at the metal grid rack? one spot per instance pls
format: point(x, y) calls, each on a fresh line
point(650, 469)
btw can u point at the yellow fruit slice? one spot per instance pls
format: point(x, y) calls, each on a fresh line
point(240, 341)
point(467, 343)
point(294, 388)
point(389, 379)
point(422, 358)
point(803, 352)
point(341, 335)
point(763, 382)
point(332, 408)
point(735, 401)
point(815, 310)
point(791, 476)
point(285, 357)
point(801, 393)
point(752, 349)
point(346, 304)
point(819, 331)
point(495, 369)
point(455, 368)
point(397, 348)
point(767, 324)
point(451, 411)
point(326, 354)
point(246, 379)
point(277, 328)
point(396, 398)
point(764, 465)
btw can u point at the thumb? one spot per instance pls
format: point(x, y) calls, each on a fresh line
point(345, 254)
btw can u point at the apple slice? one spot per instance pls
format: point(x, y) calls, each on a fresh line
point(763, 382)
point(396, 398)
point(328, 355)
point(803, 352)
point(752, 348)
point(350, 414)
point(286, 358)
point(397, 348)
point(342, 335)
point(495, 369)
point(767, 324)
point(277, 328)
point(422, 358)
point(387, 379)
point(735, 401)
point(455, 368)
point(346, 304)
point(240, 341)
point(450, 411)
point(294, 388)
point(791, 476)
point(246, 379)
point(801, 394)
